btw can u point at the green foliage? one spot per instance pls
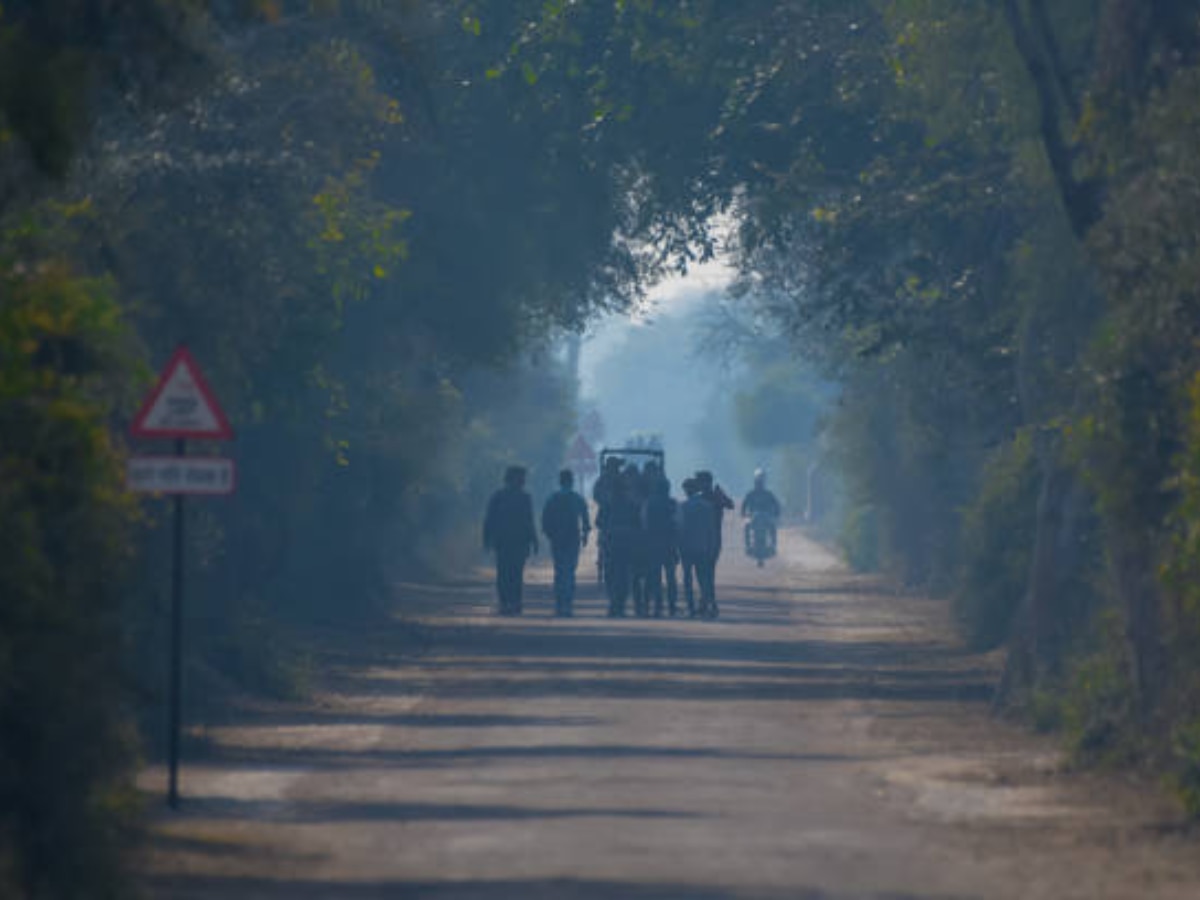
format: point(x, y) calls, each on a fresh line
point(782, 408)
point(357, 223)
point(996, 549)
point(65, 746)
point(1099, 705)
point(1181, 570)
point(1045, 709)
point(54, 54)
point(1185, 780)
point(859, 539)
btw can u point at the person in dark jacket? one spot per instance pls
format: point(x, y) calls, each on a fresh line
point(623, 527)
point(509, 531)
point(566, 524)
point(721, 503)
point(602, 492)
point(635, 490)
point(698, 542)
point(662, 547)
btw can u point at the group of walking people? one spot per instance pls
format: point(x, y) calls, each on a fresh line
point(509, 531)
point(645, 537)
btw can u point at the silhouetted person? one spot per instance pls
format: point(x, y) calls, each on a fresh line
point(721, 502)
point(662, 546)
point(603, 488)
point(652, 477)
point(566, 524)
point(602, 493)
point(623, 535)
point(508, 530)
point(698, 547)
point(634, 487)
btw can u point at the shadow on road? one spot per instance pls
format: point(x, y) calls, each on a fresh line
point(552, 889)
point(445, 651)
point(314, 811)
point(315, 758)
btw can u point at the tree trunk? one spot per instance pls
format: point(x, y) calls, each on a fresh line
point(1080, 198)
point(1137, 581)
point(1035, 648)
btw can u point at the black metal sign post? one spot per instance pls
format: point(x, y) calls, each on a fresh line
point(179, 408)
point(175, 709)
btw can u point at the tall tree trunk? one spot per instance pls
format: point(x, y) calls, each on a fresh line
point(1036, 642)
point(1080, 198)
point(1125, 68)
point(1132, 561)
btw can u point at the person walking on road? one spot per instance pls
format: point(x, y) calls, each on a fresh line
point(623, 534)
point(602, 494)
point(721, 503)
point(639, 561)
point(662, 547)
point(698, 548)
point(566, 524)
point(509, 531)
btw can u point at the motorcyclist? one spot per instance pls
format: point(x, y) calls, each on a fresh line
point(761, 507)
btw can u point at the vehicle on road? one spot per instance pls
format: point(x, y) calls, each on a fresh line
point(759, 545)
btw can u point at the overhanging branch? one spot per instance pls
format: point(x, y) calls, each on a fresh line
point(1079, 198)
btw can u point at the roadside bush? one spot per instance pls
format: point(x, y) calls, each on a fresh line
point(859, 538)
point(1186, 779)
point(1181, 578)
point(997, 542)
point(66, 751)
point(1100, 704)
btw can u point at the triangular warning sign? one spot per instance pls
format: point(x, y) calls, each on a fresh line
point(182, 405)
point(581, 450)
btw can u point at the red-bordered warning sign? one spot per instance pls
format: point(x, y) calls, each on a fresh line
point(582, 458)
point(581, 451)
point(182, 405)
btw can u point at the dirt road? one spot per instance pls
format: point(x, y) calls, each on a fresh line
point(824, 739)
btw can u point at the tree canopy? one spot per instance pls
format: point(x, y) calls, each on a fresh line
point(965, 234)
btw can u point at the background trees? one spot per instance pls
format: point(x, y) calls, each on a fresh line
point(973, 224)
point(937, 204)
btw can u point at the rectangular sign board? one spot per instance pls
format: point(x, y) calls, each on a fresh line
point(208, 475)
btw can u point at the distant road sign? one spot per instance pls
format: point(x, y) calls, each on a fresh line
point(182, 405)
point(581, 451)
point(208, 475)
point(581, 457)
point(591, 428)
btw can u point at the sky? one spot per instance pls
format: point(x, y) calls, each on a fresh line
point(643, 375)
point(672, 297)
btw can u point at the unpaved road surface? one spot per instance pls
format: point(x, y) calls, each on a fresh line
point(824, 739)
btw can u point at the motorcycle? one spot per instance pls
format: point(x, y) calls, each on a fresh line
point(760, 538)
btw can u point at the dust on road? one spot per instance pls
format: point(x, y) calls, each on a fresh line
point(825, 738)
